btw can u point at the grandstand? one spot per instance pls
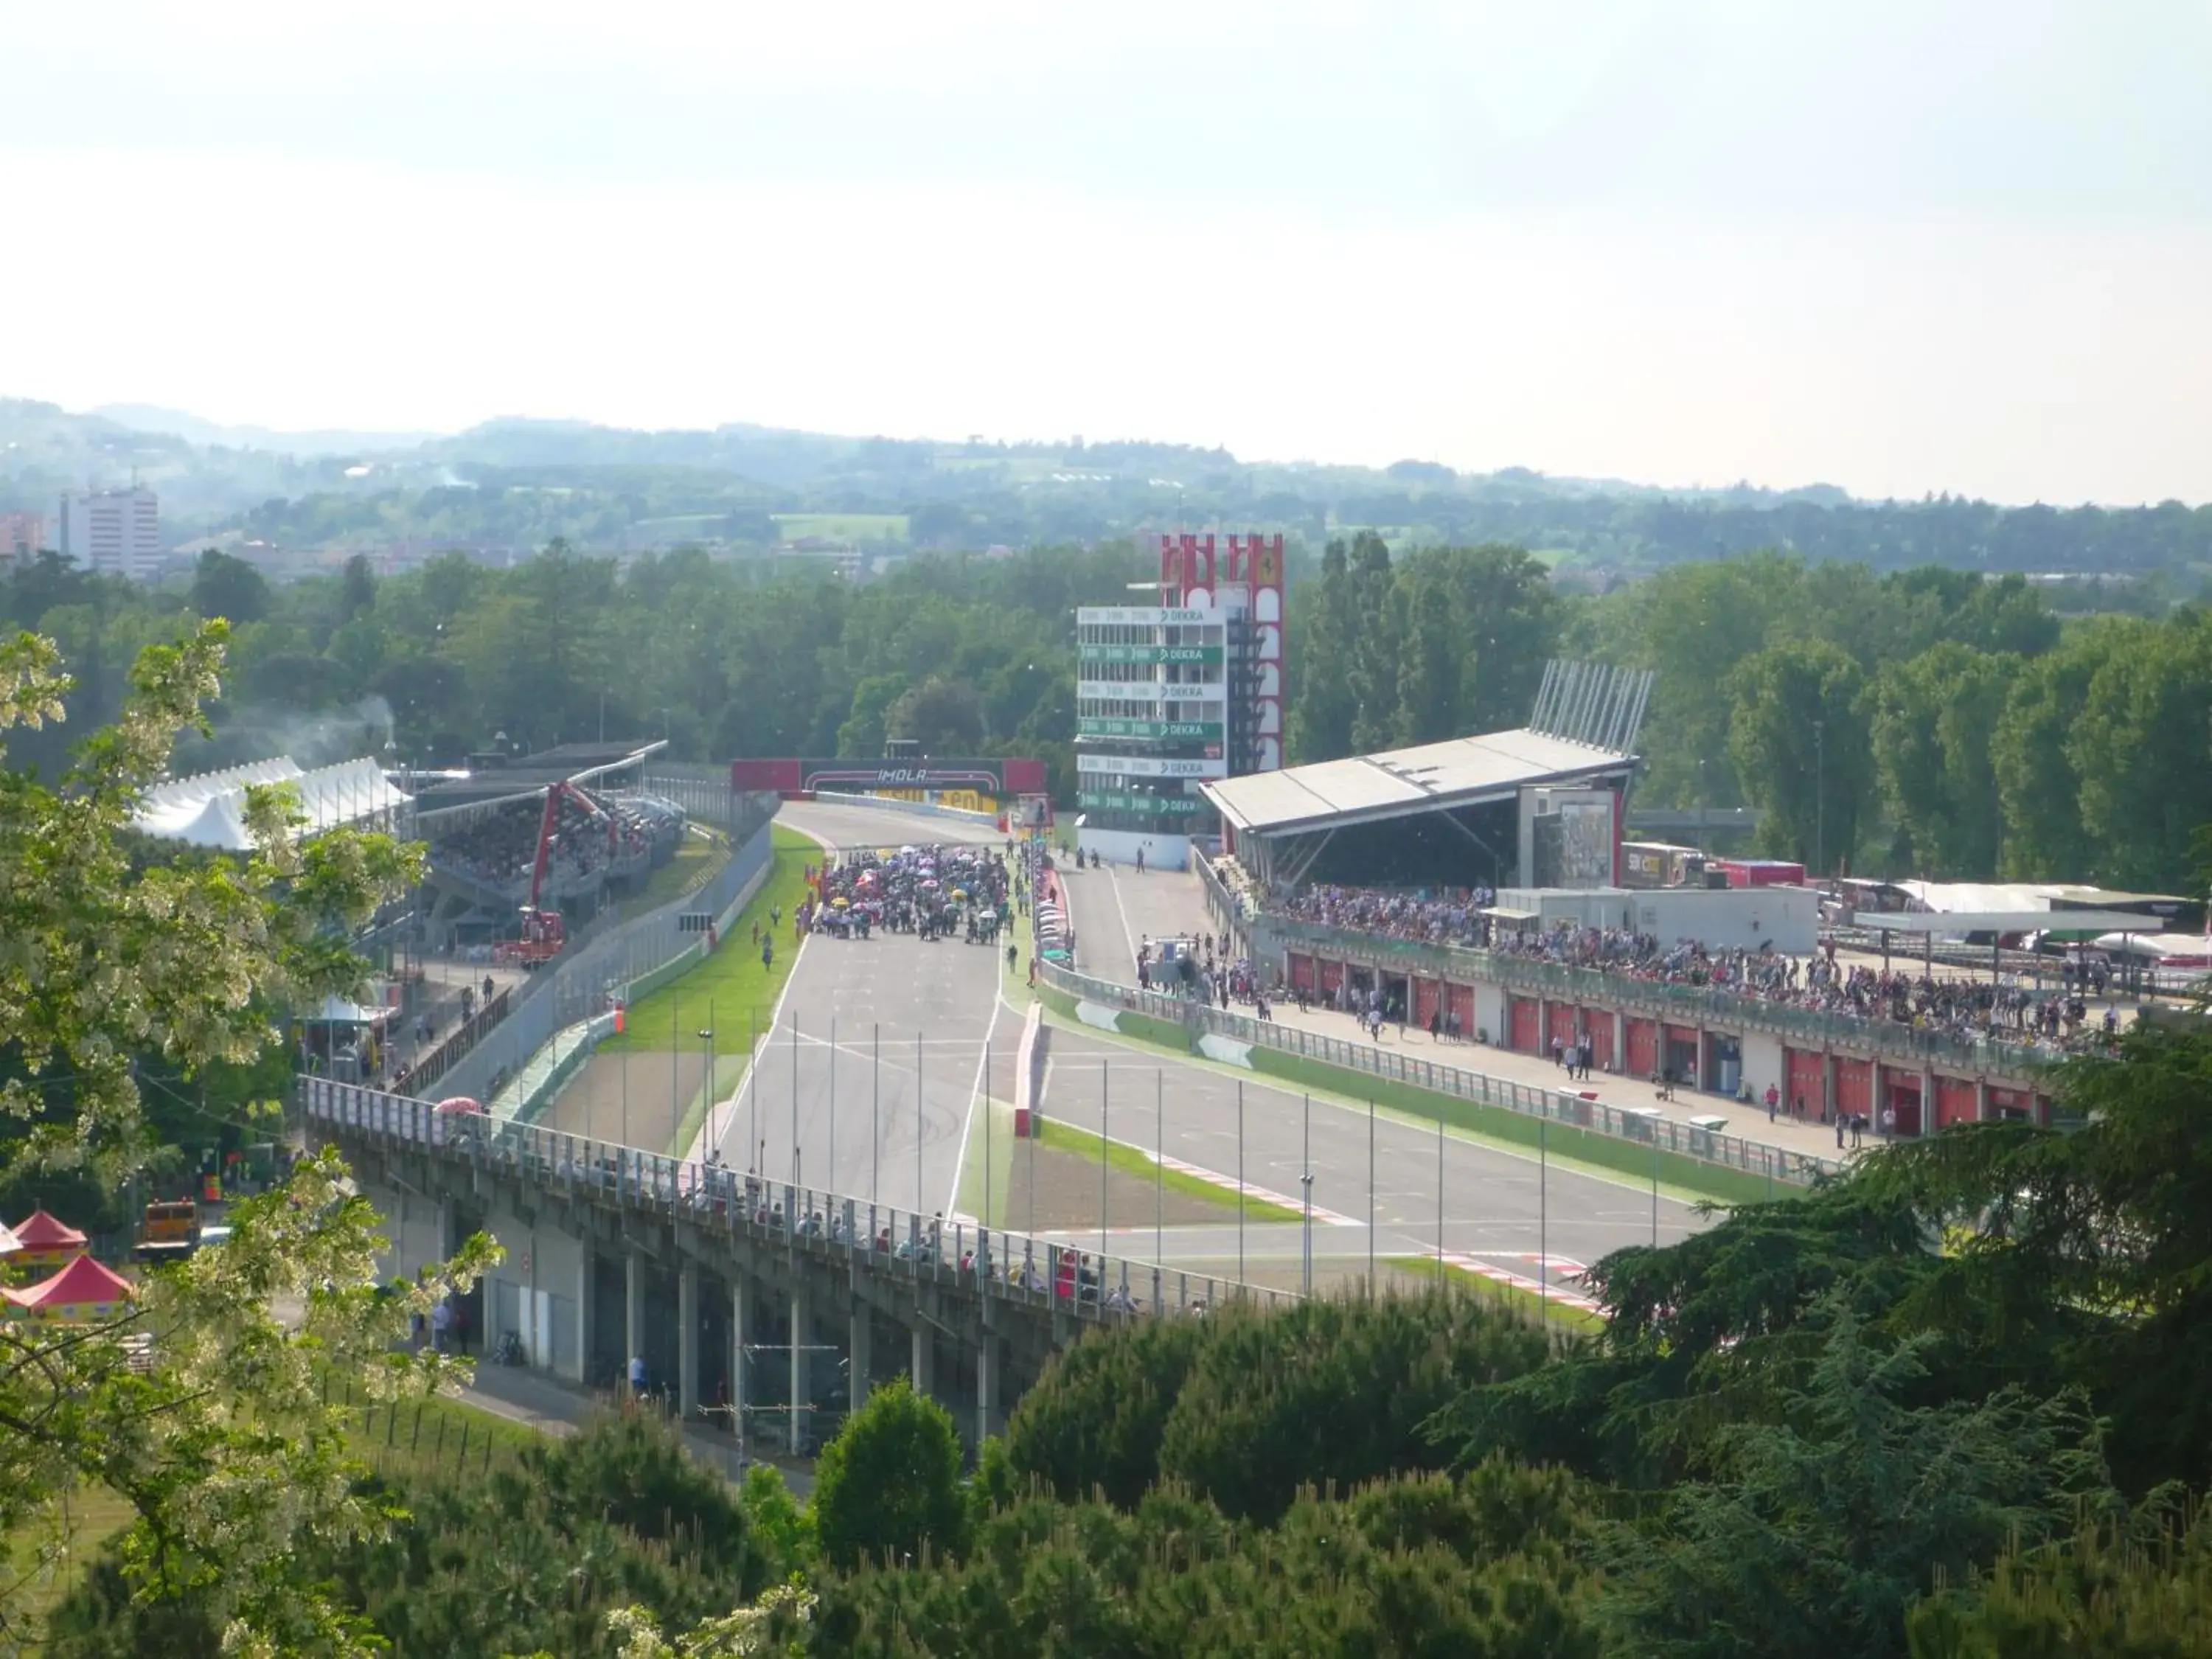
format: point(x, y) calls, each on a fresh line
point(582, 806)
point(207, 809)
point(1538, 806)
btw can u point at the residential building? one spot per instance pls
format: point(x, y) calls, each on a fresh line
point(22, 535)
point(117, 532)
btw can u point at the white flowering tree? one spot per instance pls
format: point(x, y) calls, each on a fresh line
point(221, 1446)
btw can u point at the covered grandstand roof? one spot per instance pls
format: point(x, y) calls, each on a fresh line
point(1428, 778)
point(209, 809)
point(571, 763)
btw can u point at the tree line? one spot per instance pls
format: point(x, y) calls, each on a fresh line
point(1924, 722)
point(723, 658)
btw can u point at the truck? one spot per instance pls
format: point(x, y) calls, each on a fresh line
point(169, 1231)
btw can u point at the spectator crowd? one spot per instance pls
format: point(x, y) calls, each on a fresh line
point(1960, 1007)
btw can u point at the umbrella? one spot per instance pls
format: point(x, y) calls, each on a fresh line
point(960, 892)
point(458, 1104)
point(840, 904)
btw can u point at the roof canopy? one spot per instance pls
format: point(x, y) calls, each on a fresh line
point(42, 1232)
point(1430, 777)
point(2006, 921)
point(209, 809)
point(83, 1284)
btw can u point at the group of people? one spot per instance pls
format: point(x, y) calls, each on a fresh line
point(501, 848)
point(933, 892)
point(1451, 915)
point(1962, 1007)
point(1201, 968)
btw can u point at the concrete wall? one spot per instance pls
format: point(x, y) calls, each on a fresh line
point(414, 1225)
point(1490, 1010)
point(537, 1292)
point(1120, 846)
point(1763, 1063)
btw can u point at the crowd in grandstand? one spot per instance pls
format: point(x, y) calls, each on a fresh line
point(1446, 916)
point(501, 849)
point(1962, 1007)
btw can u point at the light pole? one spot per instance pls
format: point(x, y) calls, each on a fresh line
point(1306, 1242)
point(707, 1036)
point(1820, 797)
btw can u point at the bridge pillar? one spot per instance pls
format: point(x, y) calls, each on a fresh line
point(737, 1359)
point(586, 1311)
point(799, 1323)
point(924, 1368)
point(633, 1308)
point(987, 1387)
point(686, 1341)
point(863, 1344)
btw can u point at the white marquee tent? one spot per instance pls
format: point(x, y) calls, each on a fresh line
point(209, 809)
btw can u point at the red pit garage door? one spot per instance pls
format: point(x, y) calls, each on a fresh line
point(1426, 1002)
point(1562, 1015)
point(1807, 1084)
point(1957, 1100)
point(1527, 1036)
point(2011, 1102)
point(1901, 1093)
point(1302, 971)
point(1643, 1047)
point(1332, 977)
point(1598, 1022)
point(1855, 1088)
point(1524, 1032)
point(1463, 1007)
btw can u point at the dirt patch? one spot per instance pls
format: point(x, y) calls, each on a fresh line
point(592, 1104)
point(1065, 1189)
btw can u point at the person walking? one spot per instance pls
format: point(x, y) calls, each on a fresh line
point(637, 1377)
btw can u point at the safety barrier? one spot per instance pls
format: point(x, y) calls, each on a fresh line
point(1004, 1267)
point(925, 809)
point(1642, 1126)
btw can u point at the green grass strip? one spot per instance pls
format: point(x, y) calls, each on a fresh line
point(1570, 1146)
point(729, 993)
point(1135, 1161)
point(1578, 1319)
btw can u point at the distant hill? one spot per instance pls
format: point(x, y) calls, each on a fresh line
point(145, 417)
point(513, 483)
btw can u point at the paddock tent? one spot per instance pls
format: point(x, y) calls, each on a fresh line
point(46, 1243)
point(82, 1293)
point(209, 809)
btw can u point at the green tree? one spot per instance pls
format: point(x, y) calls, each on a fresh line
point(1372, 672)
point(1322, 621)
point(1818, 1530)
point(224, 1449)
point(2142, 749)
point(229, 587)
point(944, 716)
point(888, 1487)
point(1936, 717)
point(1799, 737)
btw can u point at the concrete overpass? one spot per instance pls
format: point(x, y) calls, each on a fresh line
point(771, 1321)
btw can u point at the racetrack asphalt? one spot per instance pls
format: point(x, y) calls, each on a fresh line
point(893, 990)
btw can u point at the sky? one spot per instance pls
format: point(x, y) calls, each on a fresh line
point(1905, 248)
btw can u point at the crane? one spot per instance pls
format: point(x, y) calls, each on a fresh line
point(544, 931)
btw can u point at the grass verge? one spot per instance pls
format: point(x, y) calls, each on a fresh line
point(730, 993)
point(698, 857)
point(987, 1178)
point(1131, 1160)
point(1684, 1178)
point(1575, 1320)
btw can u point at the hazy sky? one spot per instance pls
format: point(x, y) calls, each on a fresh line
point(1897, 247)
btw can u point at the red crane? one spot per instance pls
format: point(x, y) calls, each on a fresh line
point(544, 930)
